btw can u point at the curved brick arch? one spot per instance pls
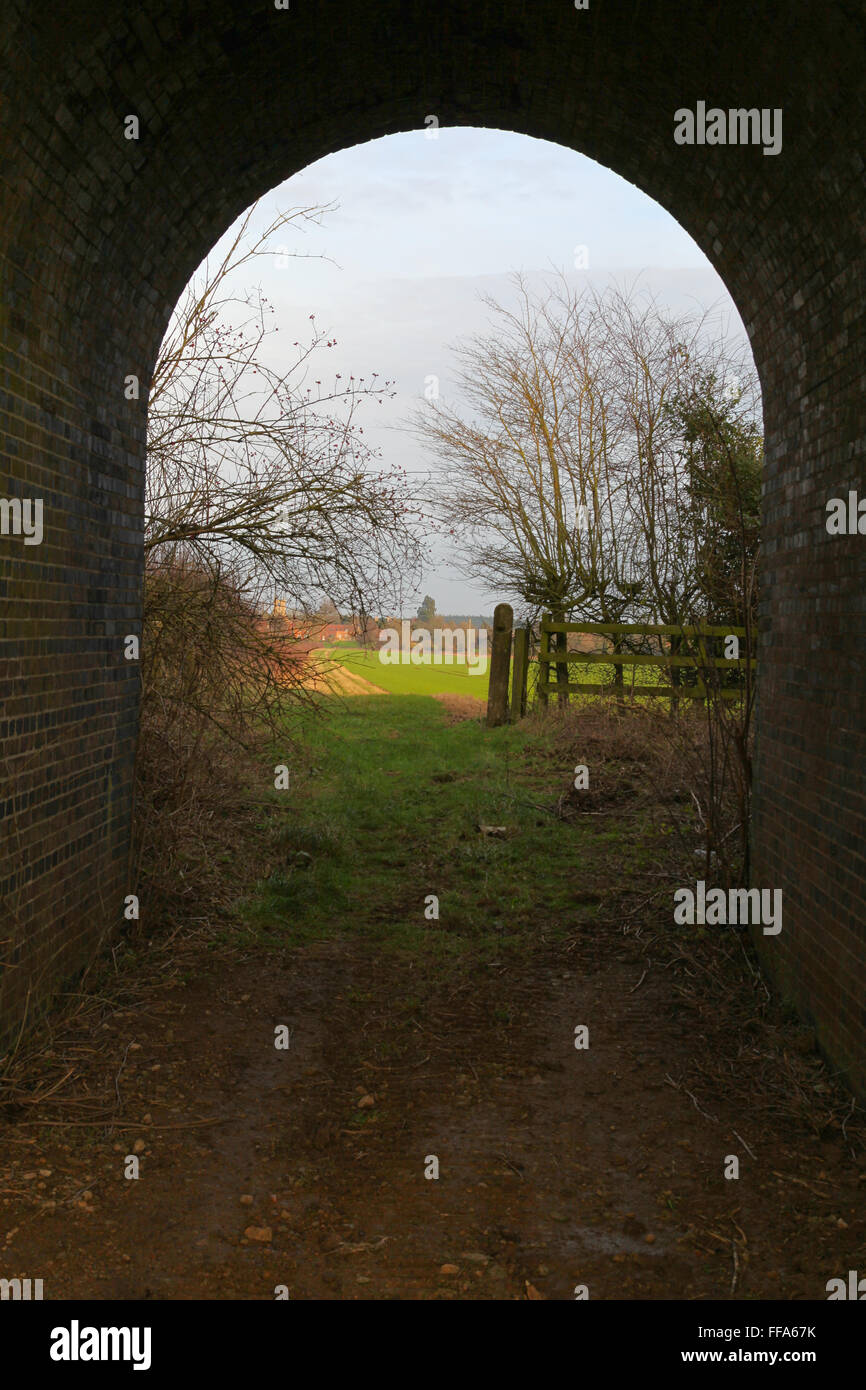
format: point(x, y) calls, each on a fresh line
point(99, 234)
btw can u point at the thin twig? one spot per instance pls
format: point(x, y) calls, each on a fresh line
point(678, 1086)
point(745, 1145)
point(129, 1124)
point(119, 1070)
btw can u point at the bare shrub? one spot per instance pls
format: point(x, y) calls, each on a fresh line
point(218, 686)
point(650, 774)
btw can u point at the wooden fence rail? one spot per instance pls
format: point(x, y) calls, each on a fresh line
point(666, 660)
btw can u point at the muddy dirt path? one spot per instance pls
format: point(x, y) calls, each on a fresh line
point(557, 1167)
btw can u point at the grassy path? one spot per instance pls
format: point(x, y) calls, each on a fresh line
point(393, 817)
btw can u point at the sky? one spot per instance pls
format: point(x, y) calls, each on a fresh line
point(418, 229)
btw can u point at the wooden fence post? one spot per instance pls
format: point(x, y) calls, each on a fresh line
point(520, 673)
point(500, 664)
point(543, 667)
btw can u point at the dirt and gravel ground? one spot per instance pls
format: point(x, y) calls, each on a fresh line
point(327, 676)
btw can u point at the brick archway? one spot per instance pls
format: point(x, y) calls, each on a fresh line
point(98, 235)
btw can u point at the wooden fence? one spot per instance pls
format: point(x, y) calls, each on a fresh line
point(512, 656)
point(670, 660)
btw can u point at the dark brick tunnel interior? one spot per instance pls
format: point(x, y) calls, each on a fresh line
point(99, 234)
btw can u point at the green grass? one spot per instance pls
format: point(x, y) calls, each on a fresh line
point(392, 815)
point(458, 679)
point(588, 672)
point(455, 679)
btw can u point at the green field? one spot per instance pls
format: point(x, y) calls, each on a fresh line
point(458, 678)
point(448, 678)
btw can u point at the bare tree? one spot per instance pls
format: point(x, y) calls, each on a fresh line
point(264, 466)
point(521, 473)
point(561, 472)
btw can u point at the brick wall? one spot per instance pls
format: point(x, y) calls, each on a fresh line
point(99, 234)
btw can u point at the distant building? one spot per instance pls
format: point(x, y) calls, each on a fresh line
point(330, 632)
point(315, 630)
